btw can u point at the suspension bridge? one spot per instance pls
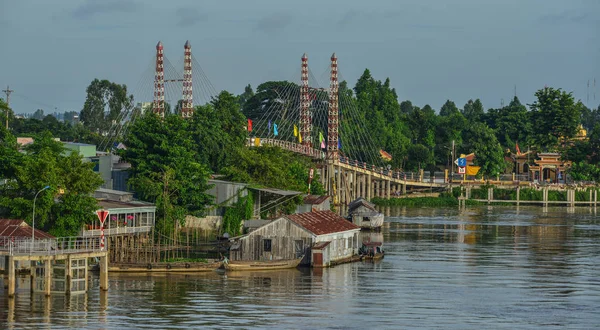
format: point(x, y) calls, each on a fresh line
point(314, 120)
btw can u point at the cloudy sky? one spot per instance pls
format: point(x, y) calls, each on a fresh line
point(432, 50)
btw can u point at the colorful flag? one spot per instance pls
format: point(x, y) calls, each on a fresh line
point(339, 143)
point(257, 142)
point(269, 127)
point(295, 130)
point(249, 125)
point(322, 140)
point(518, 150)
point(275, 131)
point(300, 138)
point(385, 155)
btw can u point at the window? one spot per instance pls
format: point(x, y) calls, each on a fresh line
point(267, 245)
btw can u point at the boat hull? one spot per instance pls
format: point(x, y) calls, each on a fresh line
point(261, 265)
point(164, 267)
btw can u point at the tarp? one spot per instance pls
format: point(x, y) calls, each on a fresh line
point(473, 170)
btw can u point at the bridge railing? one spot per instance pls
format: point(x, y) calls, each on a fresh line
point(48, 246)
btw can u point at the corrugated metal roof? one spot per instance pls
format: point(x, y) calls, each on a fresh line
point(315, 199)
point(322, 222)
point(109, 204)
point(320, 245)
point(19, 228)
point(360, 202)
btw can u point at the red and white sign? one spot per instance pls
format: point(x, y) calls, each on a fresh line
point(462, 170)
point(310, 174)
point(102, 215)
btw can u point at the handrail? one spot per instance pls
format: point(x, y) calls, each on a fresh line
point(48, 246)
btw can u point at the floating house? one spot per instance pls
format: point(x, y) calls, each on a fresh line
point(314, 203)
point(364, 214)
point(322, 237)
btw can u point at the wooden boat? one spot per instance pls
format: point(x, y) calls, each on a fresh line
point(261, 265)
point(165, 267)
point(371, 251)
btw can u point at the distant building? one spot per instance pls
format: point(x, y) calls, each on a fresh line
point(84, 149)
point(314, 203)
point(333, 238)
point(143, 106)
point(15, 228)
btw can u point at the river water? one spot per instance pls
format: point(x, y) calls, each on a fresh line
point(485, 267)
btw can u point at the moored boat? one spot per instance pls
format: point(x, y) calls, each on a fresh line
point(371, 251)
point(261, 265)
point(162, 267)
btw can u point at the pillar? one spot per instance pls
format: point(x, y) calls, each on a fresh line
point(32, 270)
point(11, 277)
point(68, 272)
point(389, 195)
point(338, 175)
point(404, 188)
point(518, 195)
point(368, 187)
point(103, 273)
point(47, 277)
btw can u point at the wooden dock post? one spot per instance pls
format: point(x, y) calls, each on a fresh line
point(104, 273)
point(47, 277)
point(11, 277)
point(68, 272)
point(518, 195)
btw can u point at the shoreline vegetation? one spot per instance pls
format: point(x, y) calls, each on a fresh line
point(448, 199)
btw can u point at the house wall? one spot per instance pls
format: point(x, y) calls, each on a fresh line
point(283, 235)
point(343, 245)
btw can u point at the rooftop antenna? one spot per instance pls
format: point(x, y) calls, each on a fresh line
point(501, 103)
point(588, 93)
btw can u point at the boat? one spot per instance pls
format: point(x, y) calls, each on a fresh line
point(364, 214)
point(371, 251)
point(261, 265)
point(165, 267)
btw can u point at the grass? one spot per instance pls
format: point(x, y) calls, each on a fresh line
point(442, 201)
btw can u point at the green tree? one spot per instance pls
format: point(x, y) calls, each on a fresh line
point(419, 156)
point(473, 110)
point(489, 155)
point(165, 169)
point(105, 103)
point(448, 108)
point(46, 162)
point(38, 114)
point(555, 116)
point(511, 123)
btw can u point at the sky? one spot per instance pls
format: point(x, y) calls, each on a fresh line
point(432, 50)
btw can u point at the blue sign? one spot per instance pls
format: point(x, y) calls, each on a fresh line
point(462, 162)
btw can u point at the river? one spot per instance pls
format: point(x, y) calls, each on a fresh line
point(485, 267)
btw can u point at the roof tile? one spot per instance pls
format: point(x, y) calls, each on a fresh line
point(322, 222)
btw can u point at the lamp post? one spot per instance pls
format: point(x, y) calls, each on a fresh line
point(33, 218)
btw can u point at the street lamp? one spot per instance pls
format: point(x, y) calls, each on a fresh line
point(33, 218)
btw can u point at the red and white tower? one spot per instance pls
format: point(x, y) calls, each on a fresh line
point(305, 115)
point(187, 106)
point(332, 113)
point(158, 105)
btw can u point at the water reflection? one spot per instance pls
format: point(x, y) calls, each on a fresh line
point(484, 267)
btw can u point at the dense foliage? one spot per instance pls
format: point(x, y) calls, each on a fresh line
point(46, 163)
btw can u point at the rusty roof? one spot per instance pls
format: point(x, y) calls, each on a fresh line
point(320, 245)
point(315, 199)
point(322, 222)
point(360, 202)
point(19, 228)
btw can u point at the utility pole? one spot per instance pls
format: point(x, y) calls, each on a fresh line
point(7, 91)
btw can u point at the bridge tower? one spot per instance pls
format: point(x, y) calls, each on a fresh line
point(187, 106)
point(158, 105)
point(333, 176)
point(333, 113)
point(305, 115)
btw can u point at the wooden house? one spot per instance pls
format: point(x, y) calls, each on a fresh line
point(314, 203)
point(292, 236)
point(364, 214)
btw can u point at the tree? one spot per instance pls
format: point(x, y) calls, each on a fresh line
point(448, 108)
point(511, 123)
point(165, 169)
point(46, 162)
point(218, 131)
point(406, 107)
point(473, 111)
point(105, 103)
point(245, 96)
point(481, 140)
point(555, 116)
point(38, 114)
point(419, 156)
